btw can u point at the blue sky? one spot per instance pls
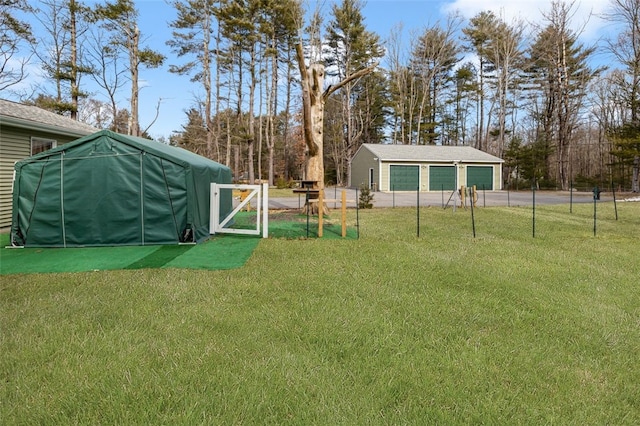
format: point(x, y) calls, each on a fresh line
point(381, 16)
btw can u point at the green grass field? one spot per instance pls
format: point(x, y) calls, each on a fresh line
point(386, 329)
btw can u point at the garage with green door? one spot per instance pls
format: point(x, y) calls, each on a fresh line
point(442, 178)
point(480, 176)
point(427, 168)
point(404, 178)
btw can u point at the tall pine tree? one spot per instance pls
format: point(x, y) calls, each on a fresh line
point(352, 48)
point(120, 19)
point(192, 36)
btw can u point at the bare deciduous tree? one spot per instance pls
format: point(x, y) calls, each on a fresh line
point(13, 33)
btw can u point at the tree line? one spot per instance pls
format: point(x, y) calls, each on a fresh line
point(529, 93)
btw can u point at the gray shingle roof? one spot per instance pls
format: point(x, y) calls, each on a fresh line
point(31, 117)
point(438, 153)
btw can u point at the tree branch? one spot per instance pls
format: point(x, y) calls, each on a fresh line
point(355, 75)
point(154, 118)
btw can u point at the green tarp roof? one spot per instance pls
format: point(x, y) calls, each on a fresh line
point(112, 189)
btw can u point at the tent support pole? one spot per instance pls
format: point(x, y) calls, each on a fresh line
point(64, 230)
point(142, 197)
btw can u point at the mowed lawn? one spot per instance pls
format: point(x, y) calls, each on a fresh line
point(503, 328)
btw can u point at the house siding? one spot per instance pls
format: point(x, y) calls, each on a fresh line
point(15, 145)
point(385, 177)
point(362, 161)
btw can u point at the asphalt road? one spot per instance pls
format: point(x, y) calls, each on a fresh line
point(409, 199)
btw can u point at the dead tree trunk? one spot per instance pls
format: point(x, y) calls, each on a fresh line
point(313, 99)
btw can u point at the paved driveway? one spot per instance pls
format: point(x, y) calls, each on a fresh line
point(408, 199)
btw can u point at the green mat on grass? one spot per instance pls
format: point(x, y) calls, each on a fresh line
point(28, 260)
point(220, 252)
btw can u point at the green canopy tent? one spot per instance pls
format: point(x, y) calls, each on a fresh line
point(111, 189)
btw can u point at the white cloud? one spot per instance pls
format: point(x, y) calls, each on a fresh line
point(586, 17)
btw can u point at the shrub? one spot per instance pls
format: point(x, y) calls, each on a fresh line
point(366, 197)
point(282, 183)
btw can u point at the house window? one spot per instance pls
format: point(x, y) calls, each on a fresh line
point(40, 144)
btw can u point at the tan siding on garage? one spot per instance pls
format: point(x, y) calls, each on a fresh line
point(497, 177)
point(385, 177)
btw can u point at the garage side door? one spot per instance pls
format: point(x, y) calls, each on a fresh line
point(480, 176)
point(404, 178)
point(442, 177)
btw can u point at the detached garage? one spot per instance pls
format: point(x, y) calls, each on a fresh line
point(110, 189)
point(384, 167)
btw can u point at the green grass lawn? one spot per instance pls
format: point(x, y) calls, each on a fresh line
point(386, 329)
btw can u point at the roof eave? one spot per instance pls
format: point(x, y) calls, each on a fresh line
point(32, 125)
point(426, 160)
